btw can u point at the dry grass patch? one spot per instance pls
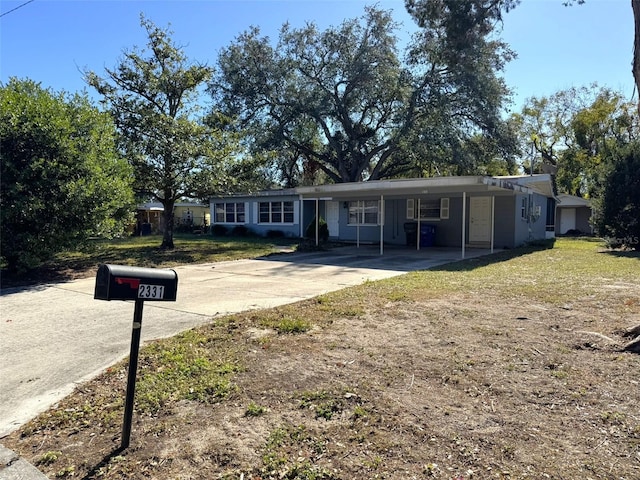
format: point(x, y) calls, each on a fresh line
point(482, 369)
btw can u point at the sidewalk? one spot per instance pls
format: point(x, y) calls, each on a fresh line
point(13, 467)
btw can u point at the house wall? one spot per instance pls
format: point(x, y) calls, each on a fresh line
point(505, 218)
point(524, 230)
point(200, 215)
point(251, 211)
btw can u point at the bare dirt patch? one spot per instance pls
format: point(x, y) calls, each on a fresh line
point(399, 379)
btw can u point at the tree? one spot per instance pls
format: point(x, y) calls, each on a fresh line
point(62, 180)
point(348, 87)
point(570, 133)
point(617, 210)
point(153, 101)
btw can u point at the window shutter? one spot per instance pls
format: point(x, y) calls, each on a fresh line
point(254, 217)
point(444, 208)
point(296, 211)
point(411, 211)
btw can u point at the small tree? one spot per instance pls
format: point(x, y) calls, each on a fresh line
point(62, 180)
point(153, 101)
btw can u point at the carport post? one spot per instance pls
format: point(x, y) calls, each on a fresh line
point(418, 229)
point(317, 220)
point(301, 217)
point(358, 214)
point(381, 224)
point(131, 378)
point(464, 220)
point(493, 219)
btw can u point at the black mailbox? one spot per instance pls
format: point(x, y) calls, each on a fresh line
point(119, 282)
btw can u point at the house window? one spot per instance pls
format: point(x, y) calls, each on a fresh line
point(431, 209)
point(364, 212)
point(232, 212)
point(524, 208)
point(275, 212)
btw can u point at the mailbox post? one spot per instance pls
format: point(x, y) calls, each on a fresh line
point(118, 282)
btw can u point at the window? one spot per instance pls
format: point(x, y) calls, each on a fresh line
point(430, 209)
point(232, 212)
point(275, 212)
point(364, 212)
point(524, 213)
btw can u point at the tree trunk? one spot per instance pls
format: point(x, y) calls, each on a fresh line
point(167, 215)
point(635, 5)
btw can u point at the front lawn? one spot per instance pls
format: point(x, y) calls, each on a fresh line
point(503, 367)
point(145, 252)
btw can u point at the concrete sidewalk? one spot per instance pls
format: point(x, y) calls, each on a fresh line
point(53, 337)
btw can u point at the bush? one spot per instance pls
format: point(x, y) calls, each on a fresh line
point(275, 234)
point(240, 231)
point(218, 230)
point(323, 230)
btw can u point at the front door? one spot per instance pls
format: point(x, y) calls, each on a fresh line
point(333, 218)
point(479, 219)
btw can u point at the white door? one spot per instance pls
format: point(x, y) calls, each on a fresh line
point(567, 220)
point(479, 219)
point(333, 218)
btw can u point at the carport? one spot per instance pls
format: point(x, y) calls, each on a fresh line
point(416, 191)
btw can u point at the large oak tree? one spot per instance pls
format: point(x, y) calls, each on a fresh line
point(348, 105)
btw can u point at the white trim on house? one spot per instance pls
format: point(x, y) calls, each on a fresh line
point(400, 201)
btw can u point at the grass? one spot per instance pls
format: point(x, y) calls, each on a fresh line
point(475, 369)
point(146, 252)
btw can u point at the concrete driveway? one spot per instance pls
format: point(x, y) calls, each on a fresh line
point(53, 337)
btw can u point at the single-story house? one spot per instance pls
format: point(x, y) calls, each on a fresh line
point(573, 215)
point(465, 211)
point(149, 217)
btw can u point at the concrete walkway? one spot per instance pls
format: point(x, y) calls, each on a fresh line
point(53, 337)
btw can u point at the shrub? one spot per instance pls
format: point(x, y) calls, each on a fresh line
point(240, 231)
point(218, 230)
point(323, 230)
point(275, 234)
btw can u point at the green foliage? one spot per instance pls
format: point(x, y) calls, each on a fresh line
point(49, 457)
point(183, 368)
point(573, 132)
point(219, 230)
point(254, 410)
point(617, 211)
point(323, 230)
point(62, 181)
point(153, 100)
point(345, 107)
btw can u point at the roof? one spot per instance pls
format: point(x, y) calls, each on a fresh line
point(403, 187)
point(157, 206)
point(451, 186)
point(571, 201)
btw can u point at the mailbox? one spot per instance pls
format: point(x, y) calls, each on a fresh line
point(119, 282)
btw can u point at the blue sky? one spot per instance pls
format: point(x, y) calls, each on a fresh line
point(50, 41)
